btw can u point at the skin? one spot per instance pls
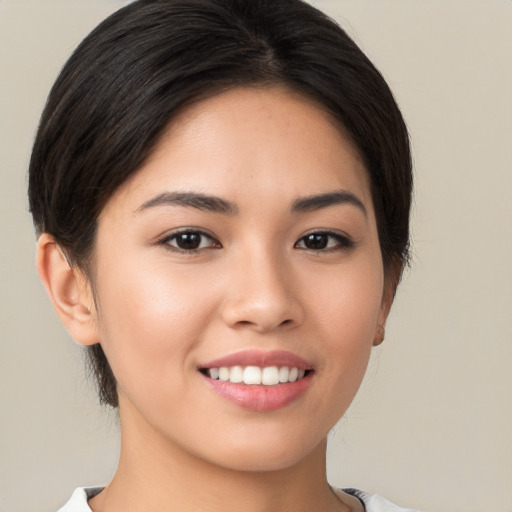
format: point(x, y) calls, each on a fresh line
point(161, 312)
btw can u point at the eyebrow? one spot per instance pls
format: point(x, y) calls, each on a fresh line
point(316, 202)
point(191, 200)
point(217, 205)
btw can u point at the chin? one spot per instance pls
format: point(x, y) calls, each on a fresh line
point(267, 457)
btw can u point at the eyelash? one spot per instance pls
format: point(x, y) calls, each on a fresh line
point(343, 242)
point(166, 241)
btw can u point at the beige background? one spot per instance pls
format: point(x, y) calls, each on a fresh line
point(432, 426)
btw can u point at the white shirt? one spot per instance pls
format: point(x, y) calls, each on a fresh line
point(371, 502)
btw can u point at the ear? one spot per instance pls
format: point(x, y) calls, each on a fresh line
point(392, 278)
point(69, 291)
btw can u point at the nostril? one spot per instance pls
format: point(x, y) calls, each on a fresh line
point(261, 313)
point(243, 323)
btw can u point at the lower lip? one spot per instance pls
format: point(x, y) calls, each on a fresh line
point(260, 398)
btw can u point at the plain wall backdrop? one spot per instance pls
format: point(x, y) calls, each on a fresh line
point(432, 425)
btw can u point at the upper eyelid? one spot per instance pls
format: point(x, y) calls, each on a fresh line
point(325, 231)
point(187, 229)
point(343, 238)
point(193, 229)
point(164, 239)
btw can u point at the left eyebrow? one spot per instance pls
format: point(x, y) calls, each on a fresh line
point(316, 202)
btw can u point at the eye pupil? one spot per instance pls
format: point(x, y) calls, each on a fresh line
point(188, 241)
point(316, 241)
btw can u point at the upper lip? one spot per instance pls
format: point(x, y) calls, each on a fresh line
point(260, 358)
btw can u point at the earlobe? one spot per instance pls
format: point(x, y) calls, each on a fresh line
point(391, 282)
point(385, 307)
point(379, 335)
point(69, 291)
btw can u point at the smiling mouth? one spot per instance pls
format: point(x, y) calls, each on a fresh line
point(255, 375)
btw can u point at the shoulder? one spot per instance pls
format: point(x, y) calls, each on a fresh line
point(376, 503)
point(79, 499)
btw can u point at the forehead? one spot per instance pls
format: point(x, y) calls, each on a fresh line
point(262, 140)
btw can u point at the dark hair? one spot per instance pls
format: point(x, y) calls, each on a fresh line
point(125, 82)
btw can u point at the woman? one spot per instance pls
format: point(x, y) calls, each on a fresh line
point(221, 191)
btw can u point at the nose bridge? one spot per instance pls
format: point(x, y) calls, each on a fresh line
point(262, 292)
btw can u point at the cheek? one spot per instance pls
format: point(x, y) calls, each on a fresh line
point(150, 320)
point(350, 298)
point(346, 321)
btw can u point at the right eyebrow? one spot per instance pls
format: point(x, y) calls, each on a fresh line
point(191, 200)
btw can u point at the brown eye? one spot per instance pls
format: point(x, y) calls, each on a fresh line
point(324, 241)
point(316, 241)
point(189, 241)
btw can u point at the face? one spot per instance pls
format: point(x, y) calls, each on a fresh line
point(240, 283)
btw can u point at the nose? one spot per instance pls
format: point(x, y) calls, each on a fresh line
point(263, 295)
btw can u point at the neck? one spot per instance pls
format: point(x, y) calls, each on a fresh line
point(155, 474)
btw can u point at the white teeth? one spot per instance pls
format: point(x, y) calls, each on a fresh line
point(270, 376)
point(237, 374)
point(254, 375)
point(284, 371)
point(224, 374)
